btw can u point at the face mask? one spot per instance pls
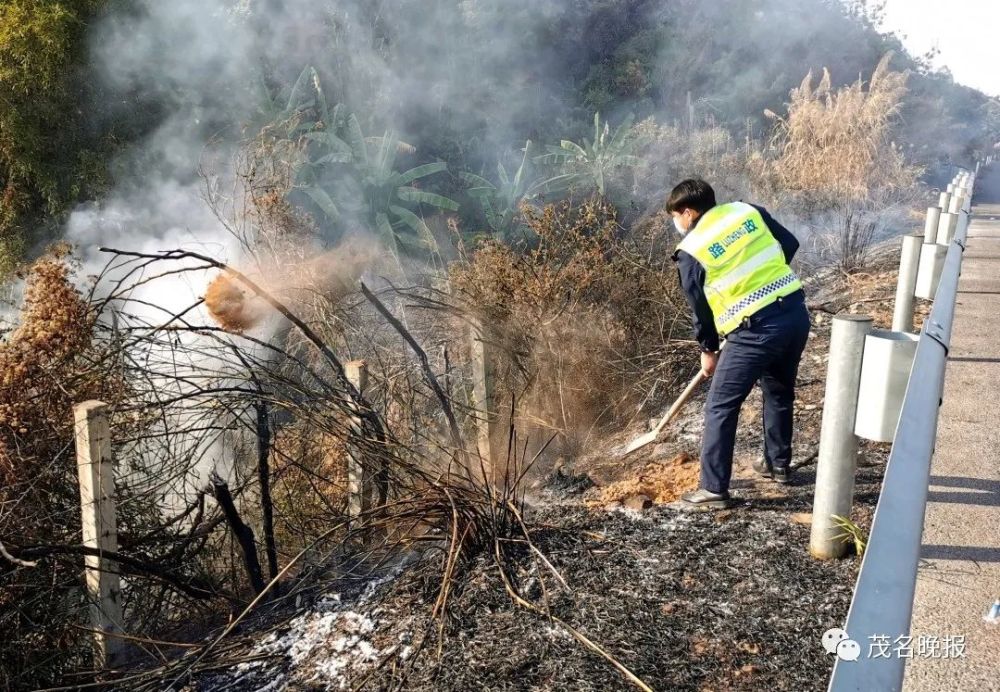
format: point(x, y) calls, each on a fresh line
point(677, 225)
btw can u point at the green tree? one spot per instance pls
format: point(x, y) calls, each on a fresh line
point(48, 158)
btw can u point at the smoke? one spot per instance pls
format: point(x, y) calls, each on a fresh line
point(467, 81)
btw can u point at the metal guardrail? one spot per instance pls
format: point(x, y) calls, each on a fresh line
point(883, 595)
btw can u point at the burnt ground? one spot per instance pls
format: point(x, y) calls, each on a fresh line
point(686, 601)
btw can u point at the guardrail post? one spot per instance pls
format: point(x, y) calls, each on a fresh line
point(909, 261)
point(946, 228)
point(957, 201)
point(97, 507)
point(838, 446)
point(882, 604)
point(931, 225)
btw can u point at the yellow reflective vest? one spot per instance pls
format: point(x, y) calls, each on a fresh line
point(745, 267)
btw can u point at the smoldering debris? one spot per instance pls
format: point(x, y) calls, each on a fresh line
point(236, 308)
point(660, 481)
point(685, 601)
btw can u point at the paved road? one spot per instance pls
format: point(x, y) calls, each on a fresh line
point(959, 575)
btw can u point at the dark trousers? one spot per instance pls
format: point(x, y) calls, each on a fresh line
point(767, 350)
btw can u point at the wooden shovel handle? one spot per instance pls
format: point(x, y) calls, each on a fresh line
point(681, 400)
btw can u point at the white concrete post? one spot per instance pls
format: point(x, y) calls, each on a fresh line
point(909, 261)
point(944, 200)
point(838, 446)
point(97, 507)
point(482, 390)
point(360, 477)
point(931, 225)
point(962, 225)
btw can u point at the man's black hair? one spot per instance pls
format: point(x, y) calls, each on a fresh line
point(693, 193)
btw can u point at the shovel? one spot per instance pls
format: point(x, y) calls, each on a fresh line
point(651, 436)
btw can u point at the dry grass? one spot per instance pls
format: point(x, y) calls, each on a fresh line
point(832, 160)
point(836, 145)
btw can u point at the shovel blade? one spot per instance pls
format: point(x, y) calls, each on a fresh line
point(641, 441)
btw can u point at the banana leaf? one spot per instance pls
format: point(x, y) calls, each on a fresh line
point(418, 172)
point(416, 223)
point(357, 140)
point(412, 194)
point(329, 139)
point(323, 201)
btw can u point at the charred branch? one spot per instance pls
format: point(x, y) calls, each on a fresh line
point(191, 586)
point(242, 532)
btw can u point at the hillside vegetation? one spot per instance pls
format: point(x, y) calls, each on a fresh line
point(467, 197)
point(506, 72)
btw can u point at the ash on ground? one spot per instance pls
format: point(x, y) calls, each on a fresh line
point(686, 601)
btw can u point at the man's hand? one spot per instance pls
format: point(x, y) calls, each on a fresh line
point(708, 362)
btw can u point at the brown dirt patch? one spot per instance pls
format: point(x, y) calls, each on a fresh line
point(661, 481)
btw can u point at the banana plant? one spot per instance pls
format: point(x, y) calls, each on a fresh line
point(348, 176)
point(591, 164)
point(501, 203)
point(306, 96)
point(392, 196)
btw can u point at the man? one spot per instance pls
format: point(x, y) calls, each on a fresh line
point(733, 264)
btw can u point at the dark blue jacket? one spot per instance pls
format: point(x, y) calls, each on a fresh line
point(692, 276)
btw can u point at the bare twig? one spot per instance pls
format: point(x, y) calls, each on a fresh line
point(191, 586)
point(16, 561)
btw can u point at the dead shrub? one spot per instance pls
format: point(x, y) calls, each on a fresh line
point(580, 314)
point(309, 484)
point(48, 363)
